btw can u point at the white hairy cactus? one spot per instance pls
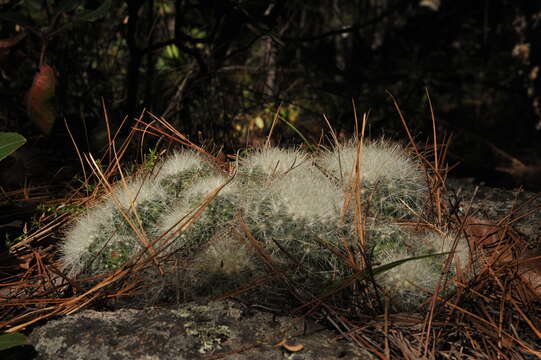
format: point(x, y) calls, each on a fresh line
point(294, 206)
point(412, 282)
point(113, 231)
point(273, 161)
point(393, 184)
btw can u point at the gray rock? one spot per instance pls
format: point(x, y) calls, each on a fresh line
point(190, 331)
point(522, 207)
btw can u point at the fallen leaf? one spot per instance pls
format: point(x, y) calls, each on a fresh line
point(529, 270)
point(484, 234)
point(291, 348)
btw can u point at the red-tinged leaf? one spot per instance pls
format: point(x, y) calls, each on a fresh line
point(40, 99)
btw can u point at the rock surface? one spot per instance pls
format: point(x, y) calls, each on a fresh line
point(190, 331)
point(494, 204)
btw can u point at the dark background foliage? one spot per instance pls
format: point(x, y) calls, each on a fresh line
point(218, 70)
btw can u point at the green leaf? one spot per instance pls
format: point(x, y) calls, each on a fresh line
point(93, 15)
point(11, 340)
point(9, 142)
point(389, 266)
point(363, 275)
point(310, 146)
point(171, 51)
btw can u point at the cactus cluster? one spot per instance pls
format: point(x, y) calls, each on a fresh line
point(295, 207)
